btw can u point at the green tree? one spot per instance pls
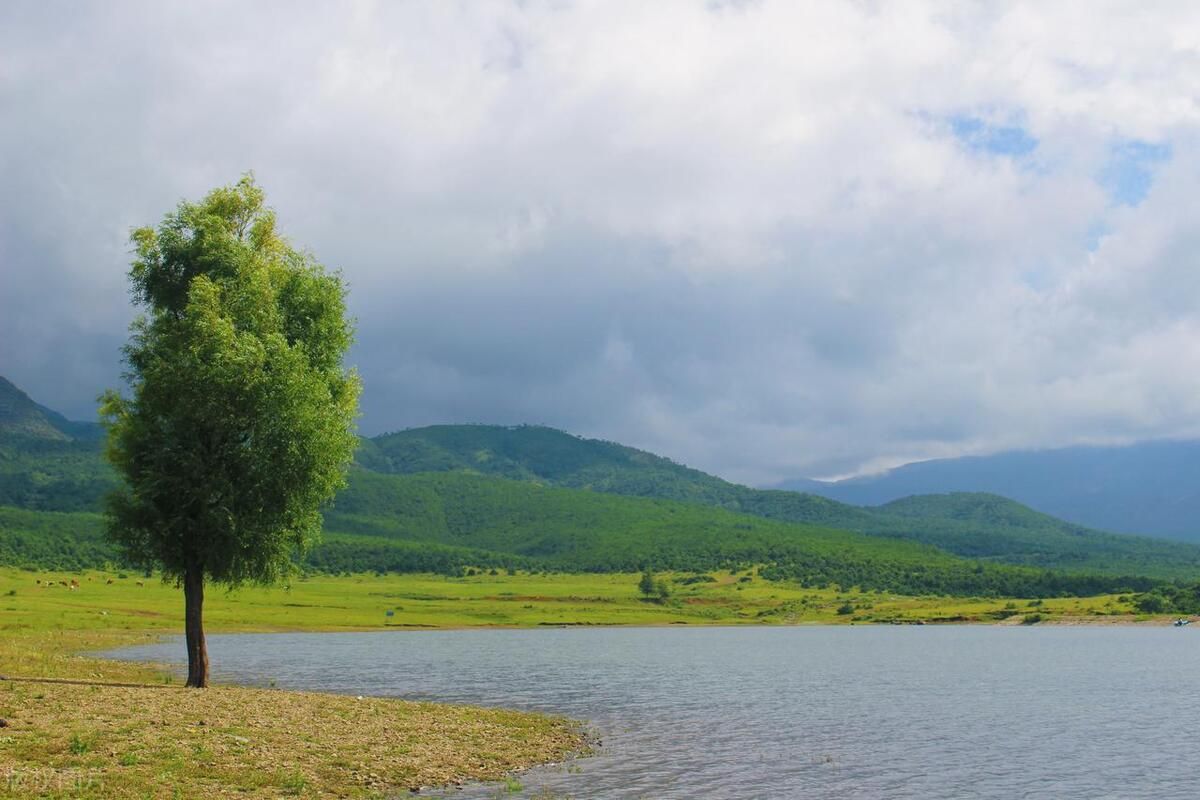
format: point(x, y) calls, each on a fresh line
point(662, 590)
point(646, 584)
point(238, 424)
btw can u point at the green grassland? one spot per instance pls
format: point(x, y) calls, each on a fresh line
point(38, 602)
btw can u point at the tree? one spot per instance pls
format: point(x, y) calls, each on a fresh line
point(646, 584)
point(663, 590)
point(652, 590)
point(239, 421)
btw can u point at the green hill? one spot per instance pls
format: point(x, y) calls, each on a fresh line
point(48, 462)
point(448, 496)
point(446, 522)
point(20, 416)
point(991, 527)
point(578, 530)
point(976, 526)
point(541, 455)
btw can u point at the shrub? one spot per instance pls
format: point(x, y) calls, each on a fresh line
point(662, 590)
point(1151, 604)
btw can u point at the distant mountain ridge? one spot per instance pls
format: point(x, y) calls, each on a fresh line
point(47, 462)
point(539, 454)
point(21, 416)
point(1151, 488)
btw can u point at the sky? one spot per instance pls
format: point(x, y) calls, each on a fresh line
point(766, 239)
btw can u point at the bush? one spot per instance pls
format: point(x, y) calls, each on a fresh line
point(662, 590)
point(844, 609)
point(1151, 604)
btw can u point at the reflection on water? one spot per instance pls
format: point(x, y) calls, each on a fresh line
point(806, 712)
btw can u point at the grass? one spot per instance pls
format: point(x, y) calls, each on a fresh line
point(89, 740)
point(94, 739)
point(103, 741)
point(133, 608)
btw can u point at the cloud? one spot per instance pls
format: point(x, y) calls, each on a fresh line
point(768, 239)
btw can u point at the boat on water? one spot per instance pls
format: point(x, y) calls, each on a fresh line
point(1179, 623)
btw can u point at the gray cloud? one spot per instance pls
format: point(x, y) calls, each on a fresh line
point(767, 239)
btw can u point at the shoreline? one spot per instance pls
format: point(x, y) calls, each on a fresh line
point(1124, 621)
point(71, 731)
point(124, 739)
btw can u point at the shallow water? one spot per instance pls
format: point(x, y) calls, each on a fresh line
point(795, 712)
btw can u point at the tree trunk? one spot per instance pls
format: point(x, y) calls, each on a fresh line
point(193, 623)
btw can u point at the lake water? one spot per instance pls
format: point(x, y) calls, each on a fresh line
point(795, 712)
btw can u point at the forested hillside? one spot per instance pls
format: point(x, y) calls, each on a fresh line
point(448, 497)
point(451, 521)
point(976, 525)
point(48, 462)
point(578, 530)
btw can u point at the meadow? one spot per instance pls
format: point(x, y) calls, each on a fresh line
point(126, 602)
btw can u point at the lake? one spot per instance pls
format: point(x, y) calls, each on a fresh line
point(794, 712)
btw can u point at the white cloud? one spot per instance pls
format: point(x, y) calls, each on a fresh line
point(743, 235)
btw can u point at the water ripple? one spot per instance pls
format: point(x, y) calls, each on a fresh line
point(946, 713)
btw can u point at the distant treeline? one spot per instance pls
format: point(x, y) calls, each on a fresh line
point(661, 536)
point(1170, 599)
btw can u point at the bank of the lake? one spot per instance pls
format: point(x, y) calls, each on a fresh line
point(67, 739)
point(98, 740)
point(80, 726)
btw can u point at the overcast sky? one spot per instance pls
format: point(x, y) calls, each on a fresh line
point(768, 240)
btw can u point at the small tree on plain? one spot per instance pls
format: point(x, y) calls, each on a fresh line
point(646, 584)
point(238, 424)
point(662, 591)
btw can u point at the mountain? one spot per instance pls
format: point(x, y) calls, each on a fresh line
point(48, 462)
point(541, 455)
point(20, 416)
point(991, 527)
point(975, 526)
point(577, 530)
point(1152, 488)
point(448, 522)
point(427, 499)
